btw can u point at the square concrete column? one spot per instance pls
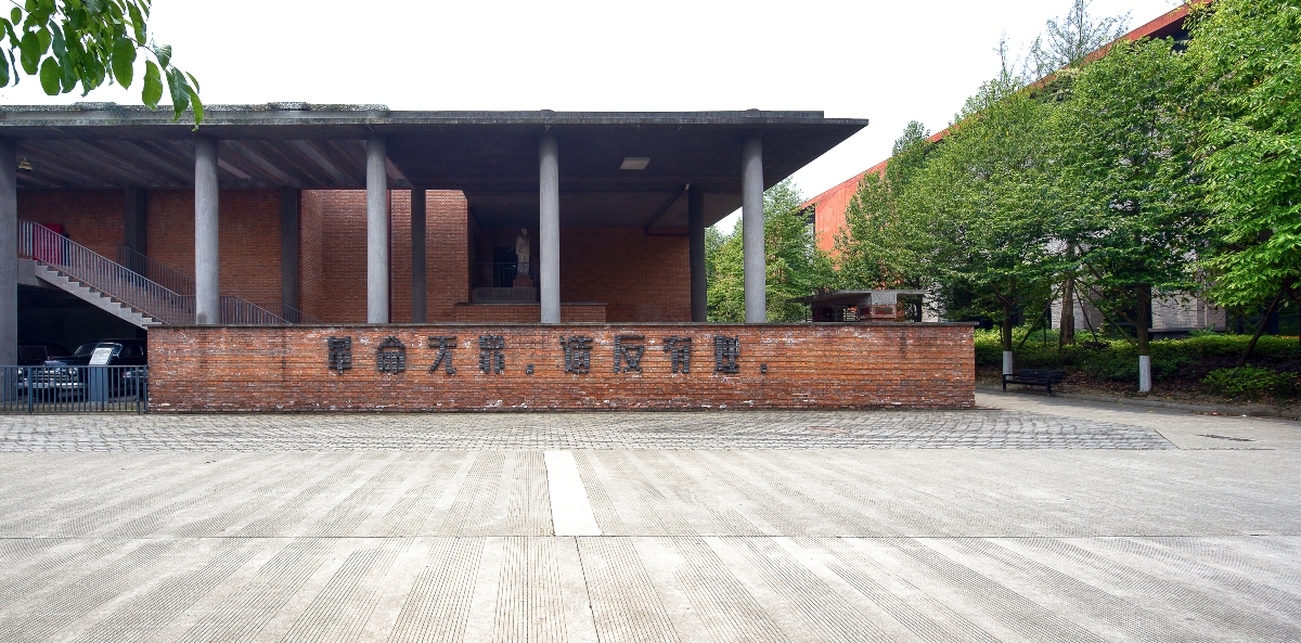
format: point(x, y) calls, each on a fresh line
point(696, 243)
point(135, 226)
point(290, 234)
point(549, 228)
point(419, 258)
point(207, 304)
point(8, 253)
point(377, 231)
point(756, 284)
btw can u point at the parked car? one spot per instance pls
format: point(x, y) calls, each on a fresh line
point(68, 374)
point(35, 354)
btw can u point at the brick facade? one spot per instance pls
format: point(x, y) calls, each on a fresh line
point(633, 276)
point(92, 218)
point(248, 240)
point(527, 313)
point(807, 366)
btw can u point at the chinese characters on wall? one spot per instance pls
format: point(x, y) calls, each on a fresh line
point(574, 355)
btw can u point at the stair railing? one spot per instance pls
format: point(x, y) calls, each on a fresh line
point(50, 248)
point(234, 309)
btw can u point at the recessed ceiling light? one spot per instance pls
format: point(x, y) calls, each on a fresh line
point(634, 163)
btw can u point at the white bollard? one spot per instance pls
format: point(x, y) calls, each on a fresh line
point(1007, 362)
point(1144, 373)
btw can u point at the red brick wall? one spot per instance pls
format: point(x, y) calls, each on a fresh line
point(808, 366)
point(92, 218)
point(312, 288)
point(640, 278)
point(248, 240)
point(333, 247)
point(527, 313)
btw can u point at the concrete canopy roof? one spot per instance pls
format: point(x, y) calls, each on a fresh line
point(491, 156)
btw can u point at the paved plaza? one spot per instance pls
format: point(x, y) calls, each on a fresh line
point(1028, 519)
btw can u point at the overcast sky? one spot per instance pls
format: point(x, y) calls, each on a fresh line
point(887, 61)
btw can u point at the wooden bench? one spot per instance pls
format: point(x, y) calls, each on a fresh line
point(1034, 377)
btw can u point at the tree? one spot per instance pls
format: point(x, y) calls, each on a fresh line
point(873, 248)
point(86, 43)
point(795, 266)
point(1124, 161)
point(1246, 61)
point(1068, 40)
point(981, 225)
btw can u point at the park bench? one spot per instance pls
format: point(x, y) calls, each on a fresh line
point(1034, 377)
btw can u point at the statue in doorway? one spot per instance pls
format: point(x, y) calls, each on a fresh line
point(522, 252)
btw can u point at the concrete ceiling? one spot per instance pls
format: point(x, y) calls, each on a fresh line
point(491, 156)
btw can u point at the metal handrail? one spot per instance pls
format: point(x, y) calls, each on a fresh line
point(296, 316)
point(169, 277)
point(234, 309)
point(50, 248)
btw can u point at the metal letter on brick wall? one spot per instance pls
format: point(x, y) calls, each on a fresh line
point(491, 358)
point(578, 353)
point(629, 349)
point(391, 356)
point(679, 350)
point(339, 352)
point(726, 352)
point(444, 346)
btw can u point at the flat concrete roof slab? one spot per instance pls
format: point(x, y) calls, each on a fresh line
point(491, 156)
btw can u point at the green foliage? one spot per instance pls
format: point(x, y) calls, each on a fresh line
point(86, 43)
point(977, 220)
point(1251, 382)
point(1109, 360)
point(874, 248)
point(795, 266)
point(1124, 177)
point(1246, 62)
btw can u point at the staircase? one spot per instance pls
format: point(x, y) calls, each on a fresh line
point(120, 291)
point(92, 296)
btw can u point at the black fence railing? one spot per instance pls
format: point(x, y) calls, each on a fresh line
point(73, 389)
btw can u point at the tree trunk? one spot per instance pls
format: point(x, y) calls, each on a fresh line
point(1144, 349)
point(1066, 329)
point(1007, 339)
point(1260, 329)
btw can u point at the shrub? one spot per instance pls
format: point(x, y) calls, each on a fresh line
point(1251, 382)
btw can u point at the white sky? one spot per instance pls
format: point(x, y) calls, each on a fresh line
point(887, 61)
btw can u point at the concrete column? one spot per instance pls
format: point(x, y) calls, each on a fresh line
point(8, 254)
point(377, 232)
point(549, 228)
point(419, 258)
point(135, 229)
point(756, 305)
point(289, 253)
point(696, 242)
point(207, 305)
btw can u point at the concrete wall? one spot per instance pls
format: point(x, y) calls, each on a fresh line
point(807, 366)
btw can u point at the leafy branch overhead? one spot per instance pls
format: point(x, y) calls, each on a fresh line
point(87, 43)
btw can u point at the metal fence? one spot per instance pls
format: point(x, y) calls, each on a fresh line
point(74, 389)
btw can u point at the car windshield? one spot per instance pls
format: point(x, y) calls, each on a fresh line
point(87, 349)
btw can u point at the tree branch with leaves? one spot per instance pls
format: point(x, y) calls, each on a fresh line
point(71, 44)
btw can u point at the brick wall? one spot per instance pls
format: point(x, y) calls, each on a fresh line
point(807, 366)
point(333, 247)
point(527, 313)
point(248, 240)
point(92, 218)
point(640, 278)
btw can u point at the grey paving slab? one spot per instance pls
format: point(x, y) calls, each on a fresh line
point(1032, 519)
